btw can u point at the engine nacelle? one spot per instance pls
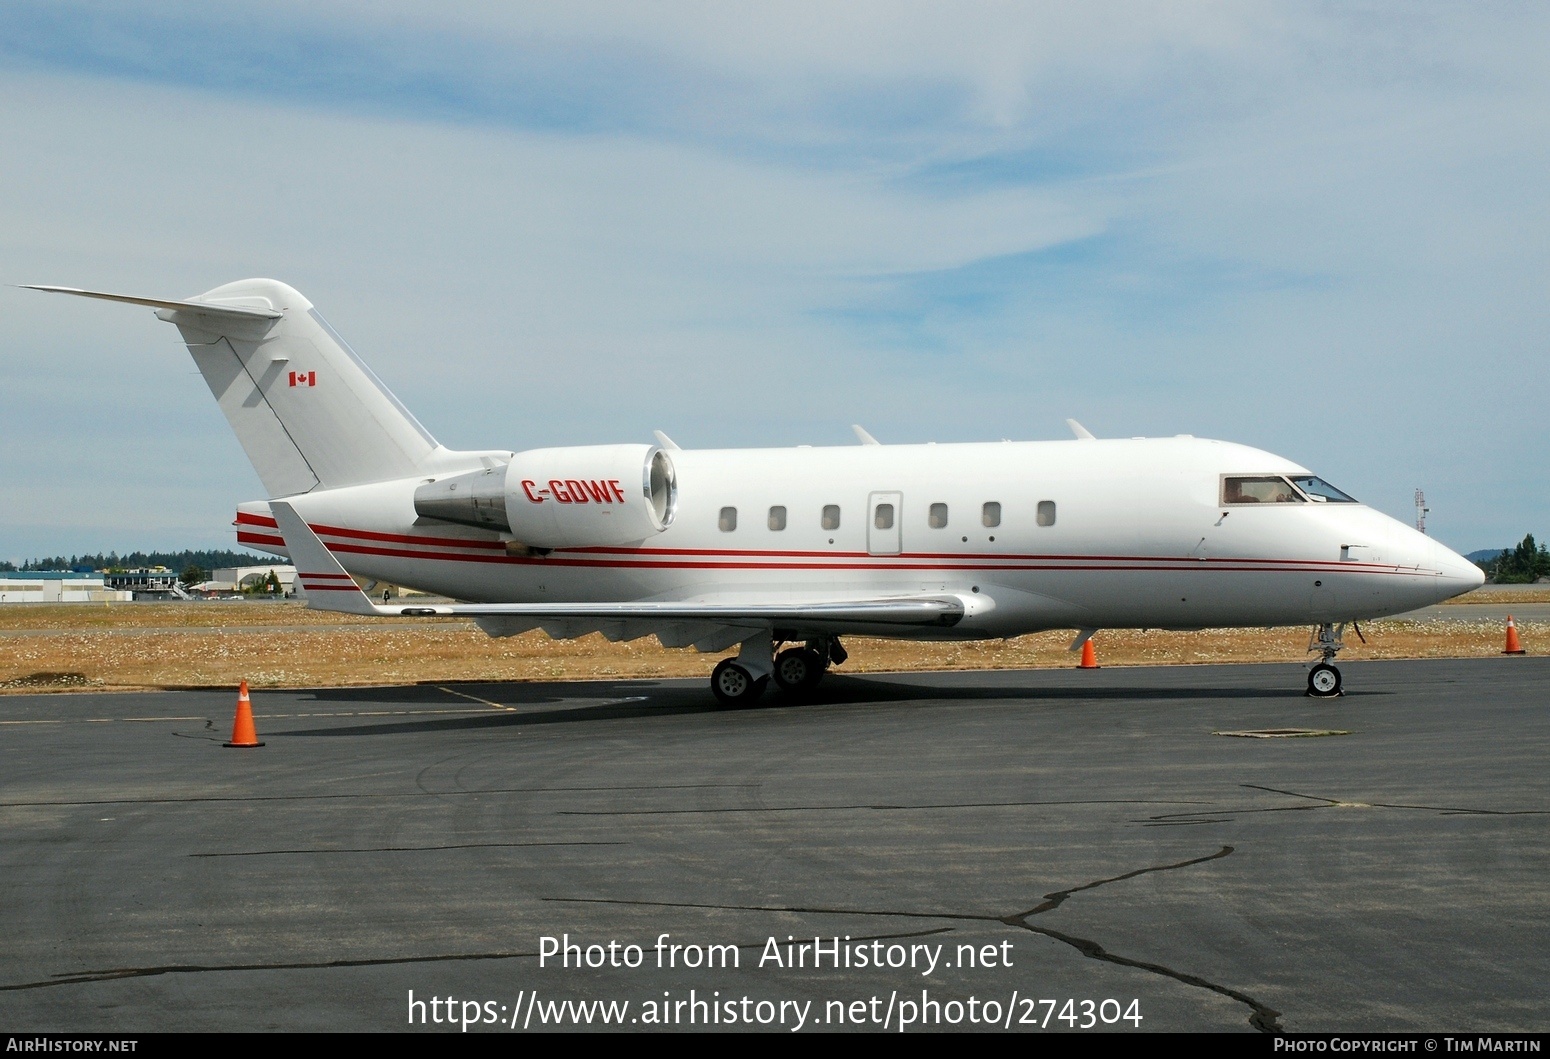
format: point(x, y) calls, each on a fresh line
point(578, 497)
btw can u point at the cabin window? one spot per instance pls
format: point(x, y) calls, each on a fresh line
point(728, 519)
point(1264, 490)
point(936, 518)
point(1046, 512)
point(882, 518)
point(990, 515)
point(777, 518)
point(831, 516)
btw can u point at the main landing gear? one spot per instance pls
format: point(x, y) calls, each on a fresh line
point(741, 681)
point(1324, 678)
point(735, 685)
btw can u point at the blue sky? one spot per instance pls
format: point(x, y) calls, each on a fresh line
point(1318, 229)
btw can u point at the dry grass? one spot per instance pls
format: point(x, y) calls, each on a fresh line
point(81, 646)
point(74, 617)
point(1504, 594)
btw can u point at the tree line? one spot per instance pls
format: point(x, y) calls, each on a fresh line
point(112, 561)
point(1526, 563)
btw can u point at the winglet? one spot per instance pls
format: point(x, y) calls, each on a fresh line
point(326, 583)
point(665, 441)
point(1081, 432)
point(862, 436)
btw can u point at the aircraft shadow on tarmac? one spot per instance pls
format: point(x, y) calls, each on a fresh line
point(522, 702)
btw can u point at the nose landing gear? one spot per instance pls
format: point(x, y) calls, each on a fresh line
point(1324, 678)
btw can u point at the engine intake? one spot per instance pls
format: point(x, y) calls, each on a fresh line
point(578, 497)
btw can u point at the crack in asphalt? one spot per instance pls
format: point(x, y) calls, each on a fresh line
point(404, 849)
point(381, 796)
point(209, 734)
point(1446, 810)
point(1262, 1017)
point(1218, 816)
point(115, 974)
point(84, 977)
point(880, 807)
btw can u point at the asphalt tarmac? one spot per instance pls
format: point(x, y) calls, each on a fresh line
point(1003, 843)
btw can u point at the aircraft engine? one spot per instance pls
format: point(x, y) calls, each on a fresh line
point(578, 497)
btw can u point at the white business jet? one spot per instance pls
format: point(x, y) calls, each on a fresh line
point(764, 549)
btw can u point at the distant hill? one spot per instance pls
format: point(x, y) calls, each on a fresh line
point(1485, 553)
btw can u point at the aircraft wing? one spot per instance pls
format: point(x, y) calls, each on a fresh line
point(707, 625)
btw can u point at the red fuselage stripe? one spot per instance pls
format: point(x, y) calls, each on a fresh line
point(1262, 566)
point(260, 538)
point(754, 559)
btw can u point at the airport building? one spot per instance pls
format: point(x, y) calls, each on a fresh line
point(146, 584)
point(236, 578)
point(51, 586)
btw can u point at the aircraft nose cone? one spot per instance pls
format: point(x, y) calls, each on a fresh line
point(1456, 574)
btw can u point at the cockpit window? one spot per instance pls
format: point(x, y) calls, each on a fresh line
point(1266, 490)
point(1320, 490)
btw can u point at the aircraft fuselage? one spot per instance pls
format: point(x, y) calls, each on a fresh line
point(1036, 535)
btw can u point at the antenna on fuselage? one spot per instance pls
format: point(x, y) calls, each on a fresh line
point(1420, 510)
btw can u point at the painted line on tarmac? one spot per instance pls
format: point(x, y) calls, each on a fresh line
point(475, 698)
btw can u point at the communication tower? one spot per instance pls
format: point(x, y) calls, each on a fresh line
point(1420, 510)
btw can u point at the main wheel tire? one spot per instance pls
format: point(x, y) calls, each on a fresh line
point(1324, 681)
point(798, 670)
point(734, 686)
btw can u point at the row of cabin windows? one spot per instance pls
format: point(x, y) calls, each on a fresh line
point(936, 516)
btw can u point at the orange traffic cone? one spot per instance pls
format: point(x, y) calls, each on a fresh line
point(1513, 647)
point(1089, 656)
point(243, 733)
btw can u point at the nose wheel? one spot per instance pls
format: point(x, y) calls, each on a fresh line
point(1324, 681)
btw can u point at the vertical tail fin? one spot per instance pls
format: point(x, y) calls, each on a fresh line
point(307, 411)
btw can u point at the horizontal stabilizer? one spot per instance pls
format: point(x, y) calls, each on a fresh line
point(235, 312)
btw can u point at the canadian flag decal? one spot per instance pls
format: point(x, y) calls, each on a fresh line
point(304, 378)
